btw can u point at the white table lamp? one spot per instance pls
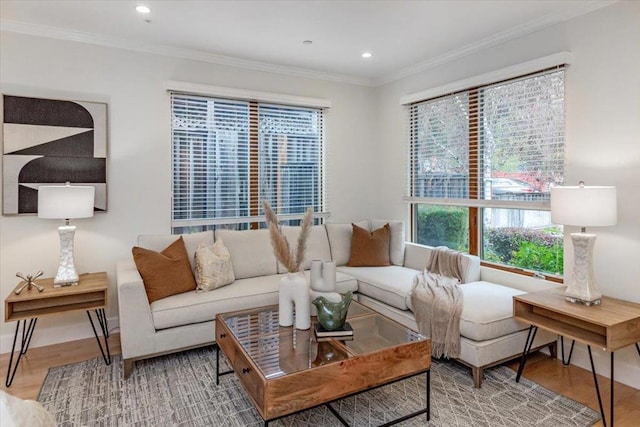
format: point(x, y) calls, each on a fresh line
point(583, 206)
point(66, 202)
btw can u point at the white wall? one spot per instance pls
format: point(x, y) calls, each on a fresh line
point(366, 144)
point(602, 137)
point(139, 179)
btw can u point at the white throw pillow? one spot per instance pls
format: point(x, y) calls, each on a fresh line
point(213, 266)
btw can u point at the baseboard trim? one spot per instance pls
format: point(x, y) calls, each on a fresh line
point(43, 336)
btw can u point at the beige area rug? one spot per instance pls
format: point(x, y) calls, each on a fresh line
point(180, 389)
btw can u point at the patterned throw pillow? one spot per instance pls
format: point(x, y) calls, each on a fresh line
point(213, 266)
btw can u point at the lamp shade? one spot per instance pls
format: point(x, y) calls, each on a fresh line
point(584, 206)
point(65, 201)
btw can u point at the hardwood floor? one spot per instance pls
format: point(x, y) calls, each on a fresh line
point(36, 363)
point(573, 382)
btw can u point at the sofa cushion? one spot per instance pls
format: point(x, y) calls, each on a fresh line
point(340, 240)
point(317, 245)
point(370, 248)
point(164, 273)
point(213, 266)
point(251, 252)
point(192, 307)
point(396, 243)
point(157, 242)
point(487, 311)
point(391, 285)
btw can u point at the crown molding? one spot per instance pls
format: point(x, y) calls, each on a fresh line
point(496, 39)
point(196, 55)
point(514, 71)
point(191, 54)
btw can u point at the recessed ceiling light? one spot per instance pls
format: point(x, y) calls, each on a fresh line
point(367, 55)
point(307, 42)
point(143, 9)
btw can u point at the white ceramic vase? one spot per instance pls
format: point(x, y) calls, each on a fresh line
point(294, 296)
point(323, 276)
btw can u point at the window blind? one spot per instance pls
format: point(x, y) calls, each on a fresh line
point(291, 158)
point(499, 145)
point(229, 155)
point(210, 158)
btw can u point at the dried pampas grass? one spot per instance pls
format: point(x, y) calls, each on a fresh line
point(281, 247)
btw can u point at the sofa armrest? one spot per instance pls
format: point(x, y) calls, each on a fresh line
point(416, 257)
point(136, 322)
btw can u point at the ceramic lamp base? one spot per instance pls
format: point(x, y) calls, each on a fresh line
point(583, 289)
point(67, 274)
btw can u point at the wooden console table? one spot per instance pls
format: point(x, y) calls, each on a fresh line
point(612, 325)
point(91, 294)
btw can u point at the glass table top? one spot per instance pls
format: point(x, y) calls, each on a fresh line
point(279, 351)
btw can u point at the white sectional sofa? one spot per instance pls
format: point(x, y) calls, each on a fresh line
point(490, 335)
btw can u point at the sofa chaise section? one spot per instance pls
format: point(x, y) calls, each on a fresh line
point(489, 333)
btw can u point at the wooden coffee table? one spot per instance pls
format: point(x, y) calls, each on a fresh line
point(285, 370)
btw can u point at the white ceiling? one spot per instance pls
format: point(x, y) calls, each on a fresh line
point(404, 36)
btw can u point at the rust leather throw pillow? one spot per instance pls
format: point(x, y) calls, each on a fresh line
point(165, 273)
point(370, 249)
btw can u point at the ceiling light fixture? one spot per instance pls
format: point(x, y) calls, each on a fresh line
point(367, 55)
point(307, 42)
point(143, 9)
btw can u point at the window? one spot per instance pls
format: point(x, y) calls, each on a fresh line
point(229, 155)
point(481, 165)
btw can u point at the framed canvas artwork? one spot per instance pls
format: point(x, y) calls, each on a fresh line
point(51, 142)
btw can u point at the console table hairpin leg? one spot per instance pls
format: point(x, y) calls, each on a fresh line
point(568, 361)
point(527, 349)
point(27, 333)
point(102, 320)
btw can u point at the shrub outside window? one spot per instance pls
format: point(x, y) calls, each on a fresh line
point(489, 155)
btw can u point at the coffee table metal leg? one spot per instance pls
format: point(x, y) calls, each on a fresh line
point(428, 395)
point(102, 320)
point(218, 368)
point(337, 415)
point(527, 348)
point(27, 333)
point(218, 373)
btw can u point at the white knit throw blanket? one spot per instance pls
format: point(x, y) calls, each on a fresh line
point(437, 302)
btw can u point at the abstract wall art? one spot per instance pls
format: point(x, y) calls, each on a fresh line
point(50, 142)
